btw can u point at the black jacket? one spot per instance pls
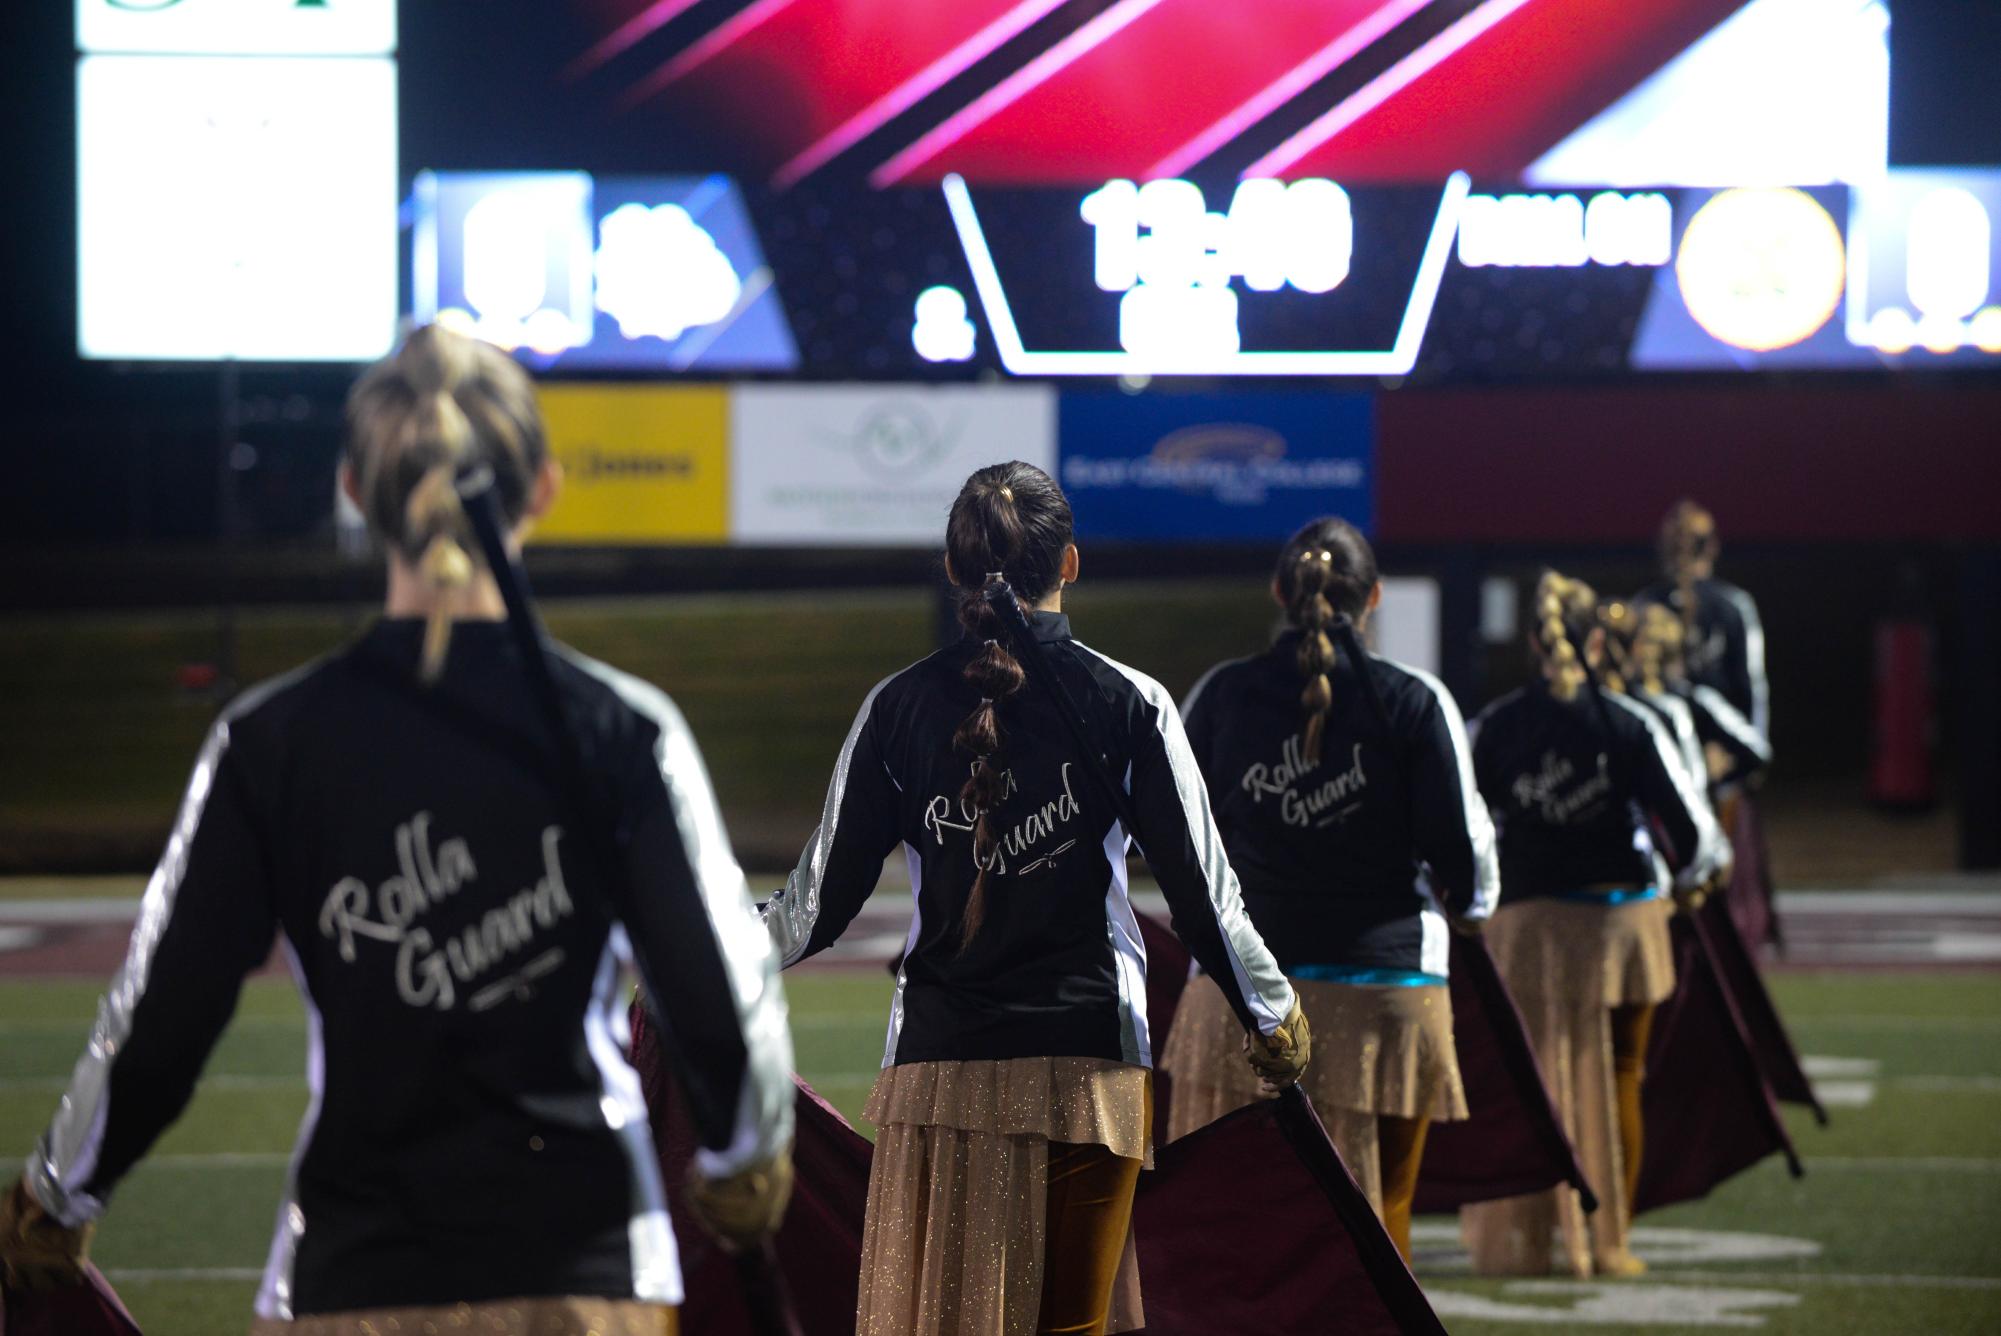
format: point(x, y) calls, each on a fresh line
point(474, 1129)
point(1057, 969)
point(1727, 649)
point(1351, 862)
point(1577, 808)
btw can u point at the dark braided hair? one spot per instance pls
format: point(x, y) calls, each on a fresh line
point(1010, 519)
point(1325, 572)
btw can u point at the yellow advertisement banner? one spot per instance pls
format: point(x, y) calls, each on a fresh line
point(642, 464)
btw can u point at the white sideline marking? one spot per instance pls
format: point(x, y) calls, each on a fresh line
point(1816, 1066)
point(1845, 1094)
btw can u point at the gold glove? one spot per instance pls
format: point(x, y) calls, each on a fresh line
point(36, 1251)
point(1279, 1057)
point(745, 1208)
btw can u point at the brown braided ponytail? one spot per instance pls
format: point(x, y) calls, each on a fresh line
point(1011, 520)
point(440, 403)
point(1325, 572)
point(1566, 612)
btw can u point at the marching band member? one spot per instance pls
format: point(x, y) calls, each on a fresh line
point(1589, 796)
point(1343, 785)
point(474, 1153)
point(1014, 1101)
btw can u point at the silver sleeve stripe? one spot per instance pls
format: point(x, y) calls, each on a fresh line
point(764, 1104)
point(66, 1156)
point(791, 914)
point(1754, 658)
point(1202, 684)
point(1479, 824)
point(1259, 982)
point(1710, 852)
point(1732, 721)
point(274, 1293)
point(1683, 719)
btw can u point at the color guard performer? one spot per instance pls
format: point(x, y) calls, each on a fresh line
point(474, 1153)
point(1014, 1102)
point(1343, 785)
point(1590, 799)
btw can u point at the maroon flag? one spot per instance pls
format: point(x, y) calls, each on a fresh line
point(1249, 1224)
point(1749, 892)
point(1709, 1113)
point(1252, 1224)
point(89, 1309)
point(819, 1249)
point(1777, 1057)
point(1513, 1142)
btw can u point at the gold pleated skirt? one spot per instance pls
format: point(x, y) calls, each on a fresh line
point(1378, 1051)
point(499, 1317)
point(957, 1206)
point(1568, 964)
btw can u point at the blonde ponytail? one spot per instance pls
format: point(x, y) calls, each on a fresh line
point(439, 404)
point(1562, 605)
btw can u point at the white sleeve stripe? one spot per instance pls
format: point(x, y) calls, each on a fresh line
point(1202, 684)
point(66, 1155)
point(1259, 981)
point(792, 913)
point(1754, 659)
point(1479, 823)
point(1732, 721)
point(1708, 854)
point(764, 1105)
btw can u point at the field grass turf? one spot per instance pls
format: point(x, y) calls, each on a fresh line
point(1894, 1230)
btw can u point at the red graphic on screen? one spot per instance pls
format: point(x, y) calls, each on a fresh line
point(1077, 91)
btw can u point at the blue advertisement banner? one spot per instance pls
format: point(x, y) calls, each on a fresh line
point(1215, 467)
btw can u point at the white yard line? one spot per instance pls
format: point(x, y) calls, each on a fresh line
point(1836, 1278)
point(1898, 1164)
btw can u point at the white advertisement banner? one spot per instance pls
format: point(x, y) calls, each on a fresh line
point(873, 466)
point(236, 208)
point(238, 27)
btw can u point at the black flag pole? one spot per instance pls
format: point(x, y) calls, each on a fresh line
point(764, 1292)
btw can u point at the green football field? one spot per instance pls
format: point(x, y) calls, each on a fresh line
point(1895, 1229)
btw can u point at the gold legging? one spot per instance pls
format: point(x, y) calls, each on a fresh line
point(1399, 1151)
point(1089, 1214)
point(1631, 1026)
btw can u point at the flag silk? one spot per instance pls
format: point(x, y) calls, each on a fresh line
point(1749, 892)
point(1513, 1142)
point(89, 1309)
point(1250, 1224)
point(1777, 1058)
point(819, 1249)
point(1708, 1110)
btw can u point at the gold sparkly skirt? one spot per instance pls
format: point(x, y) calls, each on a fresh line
point(952, 1243)
point(1378, 1051)
point(1568, 964)
point(497, 1317)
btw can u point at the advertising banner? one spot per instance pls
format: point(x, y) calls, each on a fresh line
point(873, 466)
point(641, 464)
point(1216, 468)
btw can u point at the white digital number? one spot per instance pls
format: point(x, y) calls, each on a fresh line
point(1160, 245)
point(1162, 233)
